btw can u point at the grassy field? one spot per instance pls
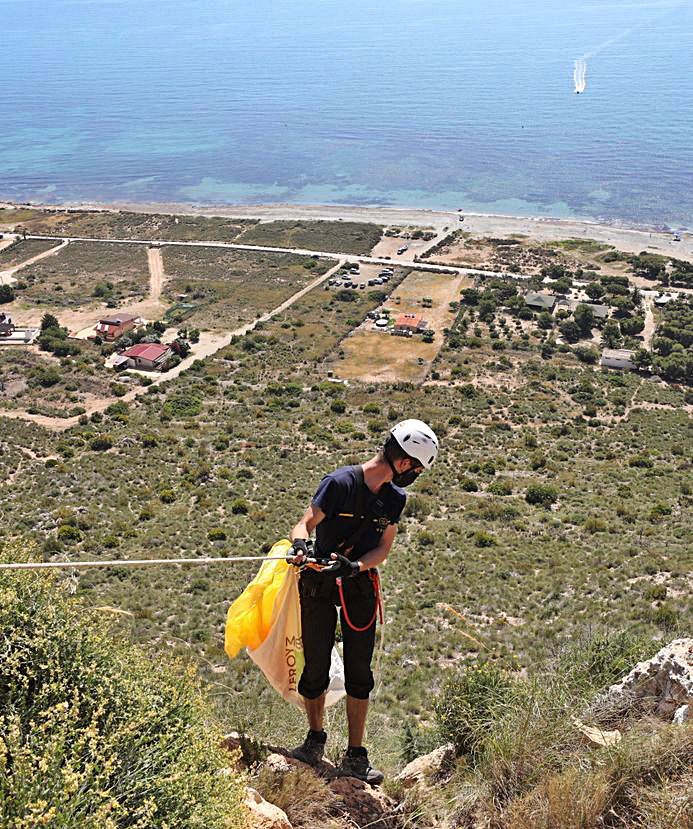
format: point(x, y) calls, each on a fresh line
point(10, 216)
point(84, 274)
point(338, 237)
point(229, 287)
point(21, 251)
point(126, 225)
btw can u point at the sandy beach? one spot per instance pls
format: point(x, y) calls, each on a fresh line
point(624, 237)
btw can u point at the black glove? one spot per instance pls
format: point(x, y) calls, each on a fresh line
point(299, 548)
point(344, 568)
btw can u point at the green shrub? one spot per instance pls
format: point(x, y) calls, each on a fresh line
point(239, 506)
point(216, 534)
point(92, 735)
point(167, 496)
point(641, 462)
point(101, 443)
point(66, 532)
point(469, 485)
point(543, 494)
point(468, 704)
point(183, 404)
point(502, 487)
point(484, 539)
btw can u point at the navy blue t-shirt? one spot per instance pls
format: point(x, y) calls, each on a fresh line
point(337, 498)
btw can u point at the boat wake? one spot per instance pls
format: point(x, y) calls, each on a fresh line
point(580, 75)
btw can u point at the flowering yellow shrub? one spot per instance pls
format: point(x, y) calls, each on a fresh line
point(92, 733)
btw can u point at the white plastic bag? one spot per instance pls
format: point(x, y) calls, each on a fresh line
point(280, 657)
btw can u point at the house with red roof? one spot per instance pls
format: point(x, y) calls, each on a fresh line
point(114, 326)
point(148, 356)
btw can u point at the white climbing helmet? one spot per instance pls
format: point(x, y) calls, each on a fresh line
point(418, 440)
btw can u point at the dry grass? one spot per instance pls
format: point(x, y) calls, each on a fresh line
point(306, 798)
point(337, 237)
point(70, 278)
point(22, 251)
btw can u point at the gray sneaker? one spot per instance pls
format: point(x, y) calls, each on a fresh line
point(357, 765)
point(312, 749)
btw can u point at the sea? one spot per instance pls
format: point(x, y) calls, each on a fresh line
point(413, 103)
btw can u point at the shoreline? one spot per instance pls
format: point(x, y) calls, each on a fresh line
point(621, 235)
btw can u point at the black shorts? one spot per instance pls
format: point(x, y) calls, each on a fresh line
point(319, 603)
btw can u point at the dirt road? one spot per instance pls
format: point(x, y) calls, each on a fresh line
point(7, 277)
point(156, 273)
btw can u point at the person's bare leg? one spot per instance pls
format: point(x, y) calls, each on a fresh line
point(315, 708)
point(356, 719)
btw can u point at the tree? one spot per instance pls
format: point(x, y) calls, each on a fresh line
point(570, 331)
point(470, 296)
point(595, 291)
point(545, 321)
point(49, 321)
point(632, 325)
point(563, 286)
point(642, 358)
point(6, 294)
point(487, 308)
point(584, 317)
point(611, 335)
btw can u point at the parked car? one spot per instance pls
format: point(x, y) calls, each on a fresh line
point(401, 250)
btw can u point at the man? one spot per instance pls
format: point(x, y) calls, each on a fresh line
point(354, 514)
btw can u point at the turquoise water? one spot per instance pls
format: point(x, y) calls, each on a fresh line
point(431, 103)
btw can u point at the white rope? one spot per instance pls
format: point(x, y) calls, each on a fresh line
point(132, 562)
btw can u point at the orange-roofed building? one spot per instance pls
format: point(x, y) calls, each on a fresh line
point(410, 322)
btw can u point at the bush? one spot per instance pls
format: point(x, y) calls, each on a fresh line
point(167, 496)
point(101, 443)
point(66, 532)
point(641, 462)
point(216, 534)
point(7, 294)
point(543, 494)
point(92, 734)
point(239, 506)
point(468, 703)
point(502, 487)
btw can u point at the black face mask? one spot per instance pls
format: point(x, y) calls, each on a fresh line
point(402, 478)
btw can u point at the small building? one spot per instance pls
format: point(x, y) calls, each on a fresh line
point(148, 356)
point(410, 322)
point(664, 299)
point(540, 302)
point(600, 312)
point(113, 327)
point(621, 358)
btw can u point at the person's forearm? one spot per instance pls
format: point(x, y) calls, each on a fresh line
point(299, 531)
point(373, 558)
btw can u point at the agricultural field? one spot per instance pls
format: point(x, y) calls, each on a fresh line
point(336, 237)
point(561, 502)
point(229, 288)
point(86, 274)
point(20, 252)
point(109, 224)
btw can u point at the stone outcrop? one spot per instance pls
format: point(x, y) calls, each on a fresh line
point(363, 805)
point(662, 684)
point(429, 767)
point(264, 815)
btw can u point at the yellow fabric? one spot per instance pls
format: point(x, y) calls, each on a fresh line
point(249, 618)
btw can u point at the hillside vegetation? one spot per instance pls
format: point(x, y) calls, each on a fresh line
point(561, 502)
point(90, 735)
